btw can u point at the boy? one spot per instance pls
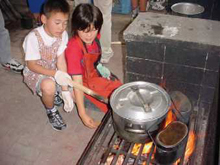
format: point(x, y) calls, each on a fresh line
point(45, 62)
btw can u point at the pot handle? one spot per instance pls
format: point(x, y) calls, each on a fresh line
point(135, 130)
point(145, 106)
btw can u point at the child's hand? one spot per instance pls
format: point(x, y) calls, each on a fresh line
point(104, 71)
point(89, 122)
point(62, 78)
point(68, 101)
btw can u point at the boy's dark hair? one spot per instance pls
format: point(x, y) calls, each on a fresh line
point(85, 15)
point(55, 6)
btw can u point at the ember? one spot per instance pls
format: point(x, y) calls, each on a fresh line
point(119, 160)
point(146, 149)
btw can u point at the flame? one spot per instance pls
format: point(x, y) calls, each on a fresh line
point(190, 144)
point(146, 149)
point(169, 118)
point(170, 115)
point(177, 162)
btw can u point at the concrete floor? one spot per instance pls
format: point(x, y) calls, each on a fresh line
point(26, 137)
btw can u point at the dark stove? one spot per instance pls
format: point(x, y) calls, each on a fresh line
point(185, 54)
point(107, 148)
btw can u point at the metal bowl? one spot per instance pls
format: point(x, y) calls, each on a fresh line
point(187, 8)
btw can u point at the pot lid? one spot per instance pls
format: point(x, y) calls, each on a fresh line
point(140, 101)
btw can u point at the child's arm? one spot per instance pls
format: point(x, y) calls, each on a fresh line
point(61, 65)
point(60, 75)
point(34, 67)
point(79, 96)
point(66, 95)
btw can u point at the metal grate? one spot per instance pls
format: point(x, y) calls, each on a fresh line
point(124, 154)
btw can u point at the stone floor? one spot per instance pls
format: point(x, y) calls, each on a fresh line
point(26, 137)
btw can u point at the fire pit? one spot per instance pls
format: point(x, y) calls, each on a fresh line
point(183, 54)
point(109, 148)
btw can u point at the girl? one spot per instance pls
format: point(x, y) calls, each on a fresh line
point(83, 54)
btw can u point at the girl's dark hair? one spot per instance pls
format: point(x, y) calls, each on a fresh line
point(55, 6)
point(84, 16)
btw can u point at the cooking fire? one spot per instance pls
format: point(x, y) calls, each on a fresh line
point(146, 148)
point(174, 141)
point(164, 135)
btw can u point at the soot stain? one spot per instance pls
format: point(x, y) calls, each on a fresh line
point(158, 29)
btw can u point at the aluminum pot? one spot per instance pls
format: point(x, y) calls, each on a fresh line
point(187, 9)
point(138, 108)
point(171, 142)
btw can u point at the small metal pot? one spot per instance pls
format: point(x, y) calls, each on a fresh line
point(187, 9)
point(171, 142)
point(138, 108)
point(182, 105)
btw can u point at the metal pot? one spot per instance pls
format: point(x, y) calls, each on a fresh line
point(138, 108)
point(171, 142)
point(187, 9)
point(181, 104)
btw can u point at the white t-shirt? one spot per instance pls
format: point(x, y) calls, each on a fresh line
point(31, 46)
